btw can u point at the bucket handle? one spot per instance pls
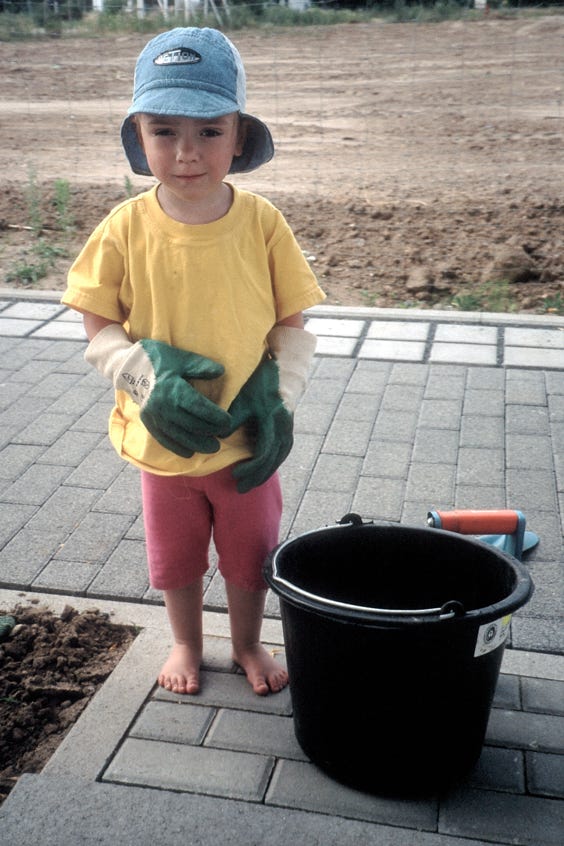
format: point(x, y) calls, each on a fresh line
point(448, 611)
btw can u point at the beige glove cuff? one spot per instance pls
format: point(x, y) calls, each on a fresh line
point(125, 364)
point(293, 350)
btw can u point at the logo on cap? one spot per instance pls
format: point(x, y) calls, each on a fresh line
point(178, 56)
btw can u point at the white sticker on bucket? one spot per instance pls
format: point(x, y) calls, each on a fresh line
point(491, 635)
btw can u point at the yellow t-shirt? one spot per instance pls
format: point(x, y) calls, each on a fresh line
point(216, 289)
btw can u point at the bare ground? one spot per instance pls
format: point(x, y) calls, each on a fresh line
point(50, 668)
point(419, 164)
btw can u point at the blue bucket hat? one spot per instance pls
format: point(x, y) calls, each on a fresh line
point(193, 72)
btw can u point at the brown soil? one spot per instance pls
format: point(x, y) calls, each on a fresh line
point(50, 667)
point(417, 163)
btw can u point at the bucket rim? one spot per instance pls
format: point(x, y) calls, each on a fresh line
point(448, 611)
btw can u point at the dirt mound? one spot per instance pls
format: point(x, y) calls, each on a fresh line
point(50, 667)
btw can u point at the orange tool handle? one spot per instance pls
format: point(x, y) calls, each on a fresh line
point(503, 522)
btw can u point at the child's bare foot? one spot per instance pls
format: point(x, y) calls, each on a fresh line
point(264, 673)
point(181, 672)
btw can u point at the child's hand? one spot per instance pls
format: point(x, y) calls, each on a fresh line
point(267, 401)
point(155, 375)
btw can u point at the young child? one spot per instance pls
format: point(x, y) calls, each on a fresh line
point(192, 296)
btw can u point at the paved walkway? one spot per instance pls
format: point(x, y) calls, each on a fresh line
point(406, 411)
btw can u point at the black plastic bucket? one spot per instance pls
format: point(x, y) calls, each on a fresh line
point(394, 639)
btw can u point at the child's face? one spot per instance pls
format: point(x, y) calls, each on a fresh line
point(191, 156)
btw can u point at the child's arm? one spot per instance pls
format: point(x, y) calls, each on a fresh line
point(155, 375)
point(269, 397)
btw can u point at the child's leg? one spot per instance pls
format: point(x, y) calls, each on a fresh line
point(246, 608)
point(245, 530)
point(181, 672)
point(178, 528)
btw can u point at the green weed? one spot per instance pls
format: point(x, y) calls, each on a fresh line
point(491, 296)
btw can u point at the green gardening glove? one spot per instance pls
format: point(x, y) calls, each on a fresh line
point(269, 423)
point(266, 403)
point(155, 375)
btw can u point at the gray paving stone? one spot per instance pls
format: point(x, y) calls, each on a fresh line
point(544, 696)
point(369, 377)
point(98, 469)
point(445, 383)
point(395, 426)
point(527, 420)
point(478, 496)
point(463, 353)
point(554, 382)
point(556, 407)
point(537, 634)
point(379, 499)
point(12, 518)
point(499, 769)
point(171, 766)
point(529, 337)
point(486, 403)
point(95, 538)
point(334, 368)
point(440, 414)
point(396, 398)
point(485, 378)
point(479, 431)
point(507, 692)
point(346, 440)
point(95, 419)
point(35, 372)
point(262, 734)
point(173, 723)
point(313, 418)
point(531, 490)
point(392, 350)
point(355, 407)
point(67, 577)
point(545, 774)
point(138, 816)
point(480, 466)
point(76, 401)
point(232, 690)
point(502, 818)
point(336, 472)
point(53, 385)
point(70, 449)
point(45, 429)
point(531, 391)
point(409, 374)
point(301, 785)
point(22, 409)
point(123, 496)
point(435, 446)
point(68, 353)
point(124, 574)
point(23, 558)
point(36, 484)
point(529, 452)
point(390, 459)
point(538, 732)
point(63, 510)
point(320, 508)
point(16, 458)
point(529, 357)
point(427, 481)
point(548, 529)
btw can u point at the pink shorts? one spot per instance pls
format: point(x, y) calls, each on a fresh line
point(183, 513)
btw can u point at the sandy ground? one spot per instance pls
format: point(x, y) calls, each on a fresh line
point(417, 163)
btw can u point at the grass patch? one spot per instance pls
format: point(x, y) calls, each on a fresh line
point(36, 260)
